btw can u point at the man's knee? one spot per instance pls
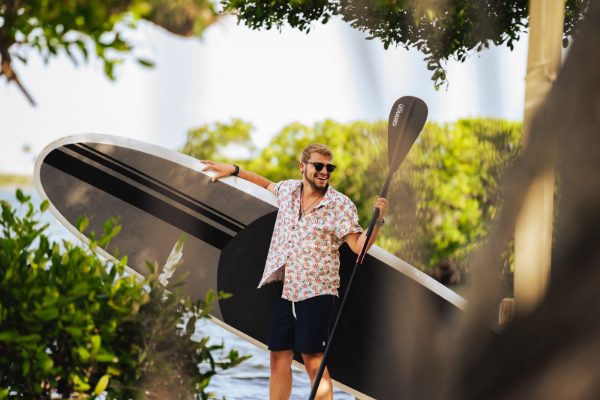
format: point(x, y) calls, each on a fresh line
point(312, 362)
point(282, 359)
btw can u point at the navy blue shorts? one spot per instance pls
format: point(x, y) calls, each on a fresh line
point(309, 331)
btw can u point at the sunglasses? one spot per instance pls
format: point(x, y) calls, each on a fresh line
point(319, 166)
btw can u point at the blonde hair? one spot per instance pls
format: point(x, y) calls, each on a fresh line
point(315, 148)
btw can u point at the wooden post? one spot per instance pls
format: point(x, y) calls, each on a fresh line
point(507, 309)
point(533, 228)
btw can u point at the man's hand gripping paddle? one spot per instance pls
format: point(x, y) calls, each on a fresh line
point(407, 118)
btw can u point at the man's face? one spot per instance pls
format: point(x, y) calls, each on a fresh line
point(317, 179)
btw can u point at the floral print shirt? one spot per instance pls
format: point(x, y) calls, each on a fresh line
point(304, 253)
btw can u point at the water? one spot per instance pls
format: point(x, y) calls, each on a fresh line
point(250, 380)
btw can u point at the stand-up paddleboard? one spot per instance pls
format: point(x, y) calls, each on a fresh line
point(161, 194)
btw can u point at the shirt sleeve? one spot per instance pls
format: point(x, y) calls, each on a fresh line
point(280, 190)
point(348, 222)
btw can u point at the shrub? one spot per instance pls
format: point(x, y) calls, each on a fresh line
point(74, 326)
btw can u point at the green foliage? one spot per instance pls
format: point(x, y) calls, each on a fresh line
point(76, 25)
point(439, 29)
point(444, 196)
point(72, 325)
point(208, 142)
point(453, 177)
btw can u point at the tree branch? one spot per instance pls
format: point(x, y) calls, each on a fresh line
point(6, 69)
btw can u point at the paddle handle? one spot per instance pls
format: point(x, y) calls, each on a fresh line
point(359, 260)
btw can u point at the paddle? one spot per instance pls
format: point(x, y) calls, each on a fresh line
point(407, 118)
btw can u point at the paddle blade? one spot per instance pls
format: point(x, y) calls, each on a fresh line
point(407, 118)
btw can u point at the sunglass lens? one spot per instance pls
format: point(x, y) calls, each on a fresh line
point(319, 166)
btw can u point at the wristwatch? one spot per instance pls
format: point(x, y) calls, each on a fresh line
point(237, 171)
point(380, 223)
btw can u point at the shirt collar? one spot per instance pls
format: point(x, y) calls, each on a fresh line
point(329, 195)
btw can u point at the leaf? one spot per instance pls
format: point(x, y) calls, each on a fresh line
point(210, 296)
point(96, 343)
point(113, 371)
point(223, 295)
point(146, 63)
point(119, 44)
point(83, 353)
point(71, 56)
point(150, 267)
point(23, 59)
point(47, 313)
point(30, 211)
point(191, 326)
point(30, 338)
point(80, 384)
point(105, 356)
point(109, 66)
point(106, 226)
point(20, 196)
point(9, 336)
point(73, 330)
point(115, 231)
point(82, 223)
point(26, 364)
point(83, 49)
point(44, 361)
point(102, 384)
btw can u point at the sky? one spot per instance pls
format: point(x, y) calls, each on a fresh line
point(267, 78)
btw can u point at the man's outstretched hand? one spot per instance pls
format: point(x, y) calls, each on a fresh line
point(223, 170)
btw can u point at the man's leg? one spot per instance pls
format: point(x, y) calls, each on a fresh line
point(280, 385)
point(312, 362)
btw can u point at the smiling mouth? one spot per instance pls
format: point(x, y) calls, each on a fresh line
point(322, 178)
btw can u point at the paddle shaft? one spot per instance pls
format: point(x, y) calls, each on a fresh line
point(359, 260)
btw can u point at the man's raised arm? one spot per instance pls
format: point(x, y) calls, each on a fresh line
point(224, 170)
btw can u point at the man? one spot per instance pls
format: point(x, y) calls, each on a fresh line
point(312, 223)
